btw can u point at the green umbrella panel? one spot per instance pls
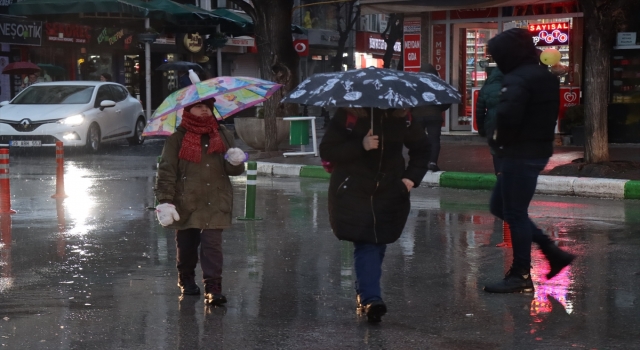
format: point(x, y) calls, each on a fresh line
point(67, 7)
point(246, 20)
point(170, 11)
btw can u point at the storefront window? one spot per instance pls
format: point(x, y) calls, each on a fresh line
point(551, 34)
point(474, 66)
point(319, 16)
point(132, 74)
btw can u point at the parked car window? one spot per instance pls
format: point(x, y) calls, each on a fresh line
point(124, 90)
point(54, 94)
point(118, 95)
point(104, 93)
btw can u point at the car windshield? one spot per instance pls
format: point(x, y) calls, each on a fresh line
point(55, 94)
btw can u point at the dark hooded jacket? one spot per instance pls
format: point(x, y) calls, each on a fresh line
point(429, 113)
point(368, 202)
point(528, 109)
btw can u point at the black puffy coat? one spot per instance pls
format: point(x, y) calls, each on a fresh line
point(368, 202)
point(429, 113)
point(528, 109)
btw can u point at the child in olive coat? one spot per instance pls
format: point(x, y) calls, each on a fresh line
point(196, 196)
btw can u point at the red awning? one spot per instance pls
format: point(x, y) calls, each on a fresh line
point(414, 6)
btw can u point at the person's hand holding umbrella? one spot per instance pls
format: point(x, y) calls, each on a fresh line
point(370, 141)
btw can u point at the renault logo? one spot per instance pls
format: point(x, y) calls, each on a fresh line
point(25, 123)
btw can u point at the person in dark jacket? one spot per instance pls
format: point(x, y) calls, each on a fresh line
point(196, 196)
point(369, 189)
point(486, 109)
point(430, 119)
point(525, 122)
point(183, 79)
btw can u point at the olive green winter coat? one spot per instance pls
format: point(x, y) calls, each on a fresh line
point(201, 192)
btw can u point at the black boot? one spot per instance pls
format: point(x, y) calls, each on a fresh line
point(214, 299)
point(375, 310)
point(517, 280)
point(558, 259)
point(188, 285)
point(433, 167)
point(213, 296)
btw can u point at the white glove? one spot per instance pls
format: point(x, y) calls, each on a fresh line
point(167, 214)
point(236, 156)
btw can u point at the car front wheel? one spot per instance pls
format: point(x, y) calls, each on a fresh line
point(93, 138)
point(137, 138)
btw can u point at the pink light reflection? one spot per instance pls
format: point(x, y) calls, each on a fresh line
point(557, 287)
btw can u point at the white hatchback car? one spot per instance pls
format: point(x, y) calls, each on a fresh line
point(78, 113)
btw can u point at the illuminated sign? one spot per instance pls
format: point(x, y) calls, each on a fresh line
point(193, 42)
point(550, 34)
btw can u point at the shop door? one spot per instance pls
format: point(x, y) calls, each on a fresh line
point(470, 63)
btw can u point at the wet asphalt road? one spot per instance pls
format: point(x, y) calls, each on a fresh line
point(96, 271)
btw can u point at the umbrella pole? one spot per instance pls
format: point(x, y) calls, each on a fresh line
point(219, 57)
point(147, 71)
point(371, 119)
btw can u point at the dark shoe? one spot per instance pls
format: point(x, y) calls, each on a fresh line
point(187, 284)
point(433, 167)
point(375, 310)
point(558, 259)
point(359, 307)
point(214, 299)
point(189, 289)
point(515, 281)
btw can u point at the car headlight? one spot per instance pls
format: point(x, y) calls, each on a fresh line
point(73, 120)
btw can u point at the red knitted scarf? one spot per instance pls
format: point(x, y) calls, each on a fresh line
point(191, 149)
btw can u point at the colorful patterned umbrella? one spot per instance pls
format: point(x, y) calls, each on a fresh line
point(232, 94)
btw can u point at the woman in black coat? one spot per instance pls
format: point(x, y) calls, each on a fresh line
point(369, 188)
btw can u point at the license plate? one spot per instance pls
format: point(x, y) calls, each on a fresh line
point(25, 143)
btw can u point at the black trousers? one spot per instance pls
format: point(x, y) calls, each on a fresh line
point(211, 260)
point(434, 129)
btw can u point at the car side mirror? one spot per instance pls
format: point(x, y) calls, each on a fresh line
point(106, 104)
point(4, 103)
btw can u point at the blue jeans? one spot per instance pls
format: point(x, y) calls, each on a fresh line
point(367, 259)
point(510, 202)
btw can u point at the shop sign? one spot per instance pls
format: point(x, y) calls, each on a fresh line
point(110, 37)
point(550, 34)
point(193, 42)
point(241, 41)
point(20, 32)
point(379, 44)
point(569, 97)
point(372, 43)
point(69, 33)
point(302, 47)
point(412, 38)
point(439, 49)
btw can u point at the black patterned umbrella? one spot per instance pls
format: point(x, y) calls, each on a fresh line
point(375, 88)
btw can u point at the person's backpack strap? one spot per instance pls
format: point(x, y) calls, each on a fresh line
point(351, 122)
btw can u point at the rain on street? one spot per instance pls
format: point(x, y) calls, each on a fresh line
point(97, 271)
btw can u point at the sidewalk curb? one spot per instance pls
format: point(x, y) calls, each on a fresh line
point(553, 185)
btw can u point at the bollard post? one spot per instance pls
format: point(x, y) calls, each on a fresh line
point(5, 250)
point(506, 236)
point(5, 185)
point(250, 194)
point(59, 171)
point(155, 200)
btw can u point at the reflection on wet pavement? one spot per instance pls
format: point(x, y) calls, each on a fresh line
point(97, 271)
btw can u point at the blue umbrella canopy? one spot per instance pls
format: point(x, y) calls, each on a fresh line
point(375, 88)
